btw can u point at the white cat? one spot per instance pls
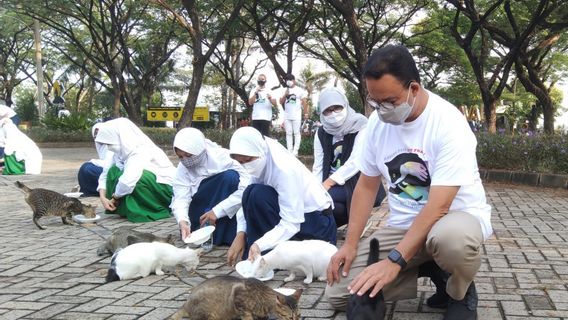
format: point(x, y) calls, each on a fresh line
point(141, 259)
point(311, 257)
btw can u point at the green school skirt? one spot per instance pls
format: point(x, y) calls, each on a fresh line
point(12, 166)
point(149, 201)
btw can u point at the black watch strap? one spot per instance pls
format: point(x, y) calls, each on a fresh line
point(396, 257)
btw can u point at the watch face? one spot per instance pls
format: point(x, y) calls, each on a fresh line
point(394, 256)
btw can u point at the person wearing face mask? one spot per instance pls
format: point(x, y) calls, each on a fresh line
point(284, 201)
point(90, 171)
point(439, 216)
point(261, 100)
point(21, 154)
point(137, 182)
point(337, 148)
point(208, 186)
point(295, 103)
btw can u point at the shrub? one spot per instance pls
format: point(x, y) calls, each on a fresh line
point(73, 122)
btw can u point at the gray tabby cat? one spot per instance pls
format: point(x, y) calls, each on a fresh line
point(50, 203)
point(228, 297)
point(124, 236)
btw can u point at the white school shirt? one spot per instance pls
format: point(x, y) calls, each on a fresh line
point(262, 107)
point(6, 112)
point(187, 182)
point(144, 157)
point(293, 103)
point(22, 147)
point(298, 191)
point(349, 168)
point(436, 149)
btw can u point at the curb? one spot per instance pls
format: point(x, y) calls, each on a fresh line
point(547, 180)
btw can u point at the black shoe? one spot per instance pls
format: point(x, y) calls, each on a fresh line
point(465, 309)
point(439, 277)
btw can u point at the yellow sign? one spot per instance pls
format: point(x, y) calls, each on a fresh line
point(174, 114)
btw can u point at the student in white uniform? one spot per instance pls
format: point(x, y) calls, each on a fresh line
point(439, 216)
point(21, 154)
point(262, 100)
point(285, 201)
point(6, 113)
point(295, 103)
point(90, 171)
point(337, 149)
point(208, 186)
point(137, 184)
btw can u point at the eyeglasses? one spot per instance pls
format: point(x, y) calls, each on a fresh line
point(328, 111)
point(381, 104)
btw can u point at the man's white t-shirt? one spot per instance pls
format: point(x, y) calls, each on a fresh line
point(436, 149)
point(293, 103)
point(262, 107)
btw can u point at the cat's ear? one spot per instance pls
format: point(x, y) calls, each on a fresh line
point(262, 262)
point(297, 294)
point(198, 251)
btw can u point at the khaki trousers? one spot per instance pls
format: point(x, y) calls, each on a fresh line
point(453, 242)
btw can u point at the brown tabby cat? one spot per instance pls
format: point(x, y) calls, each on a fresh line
point(228, 297)
point(50, 203)
point(124, 236)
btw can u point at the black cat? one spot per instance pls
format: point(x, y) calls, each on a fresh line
point(364, 307)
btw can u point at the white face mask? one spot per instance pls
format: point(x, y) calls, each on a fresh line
point(113, 148)
point(289, 83)
point(396, 115)
point(336, 118)
point(255, 167)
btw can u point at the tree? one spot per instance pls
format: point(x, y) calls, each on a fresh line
point(207, 24)
point(16, 45)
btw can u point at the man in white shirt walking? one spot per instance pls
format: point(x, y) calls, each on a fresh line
point(294, 102)
point(261, 100)
point(439, 216)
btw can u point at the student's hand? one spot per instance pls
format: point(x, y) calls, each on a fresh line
point(184, 230)
point(375, 276)
point(208, 216)
point(328, 183)
point(237, 249)
point(344, 257)
point(108, 203)
point(254, 252)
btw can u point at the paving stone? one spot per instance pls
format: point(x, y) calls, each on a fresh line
point(51, 311)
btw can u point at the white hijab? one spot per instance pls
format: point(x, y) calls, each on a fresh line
point(190, 140)
point(353, 122)
point(124, 133)
point(248, 141)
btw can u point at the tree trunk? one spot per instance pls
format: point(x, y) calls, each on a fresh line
point(489, 111)
point(194, 87)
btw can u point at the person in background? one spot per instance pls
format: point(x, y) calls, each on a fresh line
point(338, 144)
point(6, 113)
point(137, 184)
point(295, 103)
point(208, 186)
point(439, 216)
point(90, 171)
point(21, 154)
point(262, 100)
point(285, 201)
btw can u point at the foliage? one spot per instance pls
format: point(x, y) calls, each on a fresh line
point(528, 152)
point(26, 108)
point(74, 122)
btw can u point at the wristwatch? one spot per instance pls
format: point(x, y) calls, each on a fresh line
point(396, 257)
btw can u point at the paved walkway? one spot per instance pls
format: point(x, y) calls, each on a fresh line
point(56, 273)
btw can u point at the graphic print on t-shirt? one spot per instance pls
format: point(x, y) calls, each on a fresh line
point(409, 177)
point(291, 99)
point(337, 151)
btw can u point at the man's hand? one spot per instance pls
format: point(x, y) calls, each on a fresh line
point(208, 216)
point(254, 252)
point(236, 250)
point(328, 183)
point(376, 275)
point(343, 257)
point(184, 230)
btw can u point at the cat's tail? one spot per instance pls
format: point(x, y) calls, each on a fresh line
point(23, 187)
point(373, 252)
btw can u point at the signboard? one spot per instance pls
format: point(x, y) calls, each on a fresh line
point(174, 114)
